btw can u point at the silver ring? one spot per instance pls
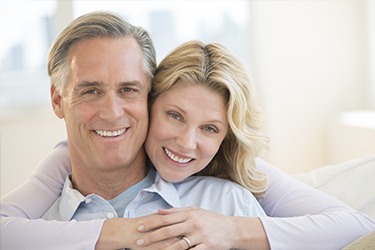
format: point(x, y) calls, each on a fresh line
point(187, 241)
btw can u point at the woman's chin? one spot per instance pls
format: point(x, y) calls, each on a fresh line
point(173, 178)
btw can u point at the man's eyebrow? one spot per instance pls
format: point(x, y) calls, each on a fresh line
point(132, 83)
point(137, 84)
point(87, 84)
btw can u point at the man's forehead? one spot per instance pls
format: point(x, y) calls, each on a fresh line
point(103, 48)
point(107, 60)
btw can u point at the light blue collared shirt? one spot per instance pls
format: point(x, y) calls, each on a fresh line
point(210, 193)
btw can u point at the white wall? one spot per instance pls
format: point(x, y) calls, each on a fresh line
point(310, 64)
point(351, 135)
point(26, 136)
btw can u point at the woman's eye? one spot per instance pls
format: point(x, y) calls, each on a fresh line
point(174, 115)
point(211, 129)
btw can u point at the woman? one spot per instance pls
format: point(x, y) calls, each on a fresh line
point(211, 65)
point(203, 67)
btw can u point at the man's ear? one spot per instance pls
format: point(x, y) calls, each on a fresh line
point(56, 100)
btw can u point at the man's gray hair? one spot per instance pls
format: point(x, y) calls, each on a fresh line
point(96, 25)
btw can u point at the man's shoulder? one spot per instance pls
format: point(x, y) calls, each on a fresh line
point(66, 204)
point(53, 213)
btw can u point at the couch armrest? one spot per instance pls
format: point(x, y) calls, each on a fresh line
point(352, 181)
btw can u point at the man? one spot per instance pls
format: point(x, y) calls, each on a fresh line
point(101, 68)
point(102, 97)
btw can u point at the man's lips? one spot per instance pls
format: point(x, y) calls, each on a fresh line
point(175, 158)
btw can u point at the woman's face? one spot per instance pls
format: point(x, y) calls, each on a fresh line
point(187, 125)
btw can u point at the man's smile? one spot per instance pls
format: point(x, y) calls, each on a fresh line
point(106, 133)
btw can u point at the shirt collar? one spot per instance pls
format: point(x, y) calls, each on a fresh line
point(166, 190)
point(70, 200)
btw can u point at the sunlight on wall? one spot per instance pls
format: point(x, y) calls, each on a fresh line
point(310, 60)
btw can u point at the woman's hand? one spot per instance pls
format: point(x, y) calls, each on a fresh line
point(203, 230)
point(119, 233)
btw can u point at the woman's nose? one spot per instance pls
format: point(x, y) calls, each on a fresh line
point(187, 140)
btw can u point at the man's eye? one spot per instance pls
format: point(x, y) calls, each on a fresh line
point(90, 92)
point(127, 90)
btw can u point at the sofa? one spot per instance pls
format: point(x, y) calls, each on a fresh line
point(352, 182)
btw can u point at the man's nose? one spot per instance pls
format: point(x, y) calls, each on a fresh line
point(111, 107)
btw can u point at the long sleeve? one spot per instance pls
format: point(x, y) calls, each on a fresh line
point(21, 233)
point(301, 217)
point(20, 228)
point(299, 214)
point(41, 189)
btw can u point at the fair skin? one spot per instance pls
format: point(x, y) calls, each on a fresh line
point(187, 125)
point(201, 228)
point(190, 121)
point(104, 106)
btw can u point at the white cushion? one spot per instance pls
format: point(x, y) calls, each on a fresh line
point(352, 182)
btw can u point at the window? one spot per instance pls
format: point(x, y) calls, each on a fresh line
point(23, 49)
point(23, 54)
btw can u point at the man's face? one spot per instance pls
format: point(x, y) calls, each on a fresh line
point(104, 103)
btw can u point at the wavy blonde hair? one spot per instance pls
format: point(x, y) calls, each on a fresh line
point(214, 66)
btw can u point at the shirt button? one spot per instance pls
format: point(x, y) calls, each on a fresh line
point(88, 200)
point(110, 215)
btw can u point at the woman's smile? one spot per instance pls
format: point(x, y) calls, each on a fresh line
point(178, 159)
point(188, 123)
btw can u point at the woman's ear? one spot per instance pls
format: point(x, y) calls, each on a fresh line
point(56, 100)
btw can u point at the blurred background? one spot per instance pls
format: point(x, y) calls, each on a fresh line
point(312, 62)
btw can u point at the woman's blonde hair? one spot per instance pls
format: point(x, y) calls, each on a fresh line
point(212, 65)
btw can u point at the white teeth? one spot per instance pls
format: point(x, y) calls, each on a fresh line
point(175, 158)
point(110, 133)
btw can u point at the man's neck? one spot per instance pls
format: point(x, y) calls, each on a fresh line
point(107, 183)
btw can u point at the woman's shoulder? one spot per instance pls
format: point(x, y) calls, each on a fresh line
point(220, 195)
point(210, 184)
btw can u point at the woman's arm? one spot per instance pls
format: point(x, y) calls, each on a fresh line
point(19, 210)
point(21, 233)
point(118, 233)
point(33, 198)
point(302, 217)
point(204, 229)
